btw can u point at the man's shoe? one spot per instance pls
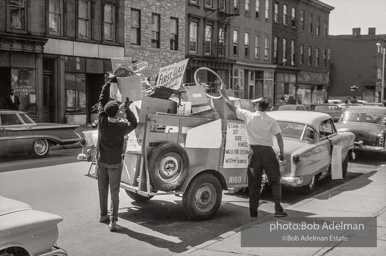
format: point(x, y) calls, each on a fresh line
point(104, 219)
point(113, 226)
point(281, 214)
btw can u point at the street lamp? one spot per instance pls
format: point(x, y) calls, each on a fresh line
point(382, 50)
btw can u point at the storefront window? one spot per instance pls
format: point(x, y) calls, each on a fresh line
point(75, 85)
point(285, 88)
point(23, 82)
point(238, 83)
point(268, 86)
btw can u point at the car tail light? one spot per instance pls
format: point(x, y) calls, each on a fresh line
point(296, 157)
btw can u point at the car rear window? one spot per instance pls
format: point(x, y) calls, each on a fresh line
point(26, 119)
point(371, 118)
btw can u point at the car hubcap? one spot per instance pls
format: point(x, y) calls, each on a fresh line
point(169, 168)
point(40, 146)
point(205, 197)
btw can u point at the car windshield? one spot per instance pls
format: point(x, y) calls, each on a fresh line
point(291, 130)
point(371, 118)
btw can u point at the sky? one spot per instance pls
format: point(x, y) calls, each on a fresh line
point(349, 14)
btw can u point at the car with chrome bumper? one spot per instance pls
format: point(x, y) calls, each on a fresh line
point(25, 232)
point(20, 134)
point(368, 123)
point(309, 138)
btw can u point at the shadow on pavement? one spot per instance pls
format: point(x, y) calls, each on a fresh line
point(170, 220)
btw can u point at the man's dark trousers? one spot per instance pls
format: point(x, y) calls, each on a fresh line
point(263, 158)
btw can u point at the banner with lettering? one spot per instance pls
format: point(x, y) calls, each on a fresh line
point(171, 76)
point(236, 147)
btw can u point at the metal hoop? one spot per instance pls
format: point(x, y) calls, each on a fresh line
point(208, 69)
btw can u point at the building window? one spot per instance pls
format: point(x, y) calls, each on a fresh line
point(221, 41)
point(155, 30)
point(302, 20)
point(276, 14)
point(247, 7)
point(292, 53)
point(317, 57)
point(284, 60)
point(275, 54)
point(84, 14)
point(55, 17)
point(75, 86)
point(209, 3)
point(318, 26)
point(379, 73)
point(257, 46)
point(309, 56)
point(301, 54)
point(174, 34)
point(246, 49)
point(221, 5)
point(238, 83)
point(267, 4)
point(285, 14)
point(236, 6)
point(293, 17)
point(135, 32)
point(311, 24)
point(17, 14)
point(208, 39)
point(324, 58)
point(257, 9)
point(235, 42)
point(109, 22)
point(193, 37)
point(266, 48)
point(325, 28)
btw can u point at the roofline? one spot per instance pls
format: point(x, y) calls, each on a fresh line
point(319, 4)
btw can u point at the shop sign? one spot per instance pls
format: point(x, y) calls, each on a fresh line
point(171, 76)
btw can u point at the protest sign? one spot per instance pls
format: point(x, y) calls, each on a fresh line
point(171, 76)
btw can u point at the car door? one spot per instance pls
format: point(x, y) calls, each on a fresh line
point(3, 138)
point(329, 131)
point(19, 138)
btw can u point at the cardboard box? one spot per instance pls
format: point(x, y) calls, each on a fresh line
point(195, 94)
point(153, 105)
point(130, 87)
point(185, 108)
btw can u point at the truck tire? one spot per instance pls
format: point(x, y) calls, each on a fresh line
point(168, 166)
point(203, 197)
point(137, 197)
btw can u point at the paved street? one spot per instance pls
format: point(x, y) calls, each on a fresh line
point(58, 184)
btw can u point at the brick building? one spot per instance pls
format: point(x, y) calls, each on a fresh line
point(54, 53)
point(285, 49)
point(155, 32)
point(356, 60)
point(313, 24)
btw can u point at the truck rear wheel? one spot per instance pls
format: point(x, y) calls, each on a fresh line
point(203, 197)
point(168, 166)
point(137, 197)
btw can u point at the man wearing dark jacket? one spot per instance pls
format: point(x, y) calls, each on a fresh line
point(111, 133)
point(13, 101)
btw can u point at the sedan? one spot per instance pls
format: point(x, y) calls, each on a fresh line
point(20, 134)
point(368, 123)
point(24, 231)
point(309, 138)
point(334, 110)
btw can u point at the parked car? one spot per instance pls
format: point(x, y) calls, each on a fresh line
point(334, 110)
point(20, 134)
point(24, 231)
point(368, 123)
point(340, 103)
point(308, 141)
point(288, 107)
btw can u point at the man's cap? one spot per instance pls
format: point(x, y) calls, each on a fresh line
point(111, 108)
point(256, 100)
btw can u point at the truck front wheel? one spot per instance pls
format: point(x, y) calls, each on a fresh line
point(203, 197)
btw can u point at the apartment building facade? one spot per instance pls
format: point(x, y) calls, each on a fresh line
point(155, 32)
point(313, 46)
point(357, 60)
point(55, 54)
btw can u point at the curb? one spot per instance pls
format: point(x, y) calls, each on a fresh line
point(245, 226)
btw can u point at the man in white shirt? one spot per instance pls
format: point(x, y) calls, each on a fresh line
point(260, 130)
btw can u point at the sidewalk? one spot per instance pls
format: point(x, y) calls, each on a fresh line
point(364, 196)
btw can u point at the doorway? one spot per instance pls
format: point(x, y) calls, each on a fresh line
point(49, 106)
point(94, 83)
point(5, 85)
